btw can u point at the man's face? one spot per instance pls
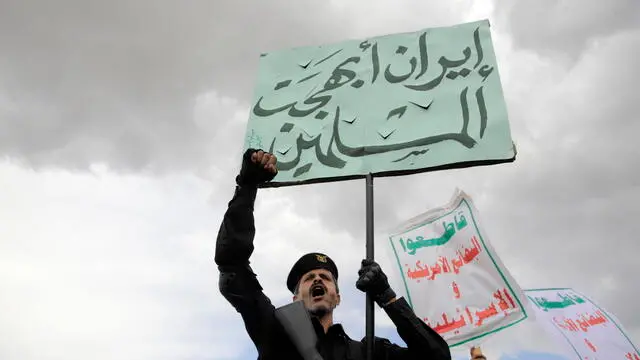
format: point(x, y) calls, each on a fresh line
point(318, 292)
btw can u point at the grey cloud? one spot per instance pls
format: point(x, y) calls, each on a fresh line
point(577, 212)
point(115, 82)
point(565, 28)
point(110, 270)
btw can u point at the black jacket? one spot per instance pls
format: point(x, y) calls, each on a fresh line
point(239, 285)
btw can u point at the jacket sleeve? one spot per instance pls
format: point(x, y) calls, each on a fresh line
point(238, 283)
point(422, 342)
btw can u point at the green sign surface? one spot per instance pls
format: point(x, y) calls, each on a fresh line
point(387, 105)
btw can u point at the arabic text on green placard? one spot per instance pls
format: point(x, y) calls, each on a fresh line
point(385, 105)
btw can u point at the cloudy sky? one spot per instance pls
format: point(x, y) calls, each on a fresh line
point(121, 127)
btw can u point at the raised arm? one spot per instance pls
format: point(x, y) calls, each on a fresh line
point(422, 342)
point(234, 246)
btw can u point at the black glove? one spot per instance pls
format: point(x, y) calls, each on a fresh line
point(258, 172)
point(374, 282)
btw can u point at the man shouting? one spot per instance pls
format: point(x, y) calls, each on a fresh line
point(313, 280)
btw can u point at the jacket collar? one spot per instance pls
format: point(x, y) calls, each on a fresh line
point(335, 329)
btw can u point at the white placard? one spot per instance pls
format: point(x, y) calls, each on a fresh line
point(453, 278)
point(591, 332)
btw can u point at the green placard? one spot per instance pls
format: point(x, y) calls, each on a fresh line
point(387, 105)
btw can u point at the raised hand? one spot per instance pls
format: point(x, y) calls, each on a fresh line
point(373, 281)
point(257, 167)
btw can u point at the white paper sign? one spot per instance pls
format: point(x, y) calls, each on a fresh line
point(591, 333)
point(453, 278)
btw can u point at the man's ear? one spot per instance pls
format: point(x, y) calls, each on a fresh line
point(295, 297)
point(338, 299)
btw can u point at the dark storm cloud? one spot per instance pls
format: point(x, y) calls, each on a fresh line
point(115, 81)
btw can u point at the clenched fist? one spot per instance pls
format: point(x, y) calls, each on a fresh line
point(374, 282)
point(257, 167)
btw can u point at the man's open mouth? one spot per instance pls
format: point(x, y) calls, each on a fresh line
point(317, 291)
